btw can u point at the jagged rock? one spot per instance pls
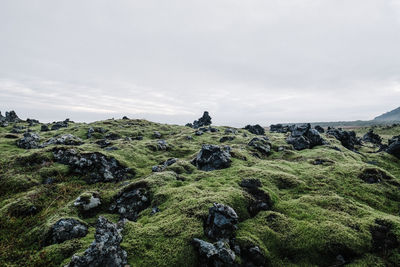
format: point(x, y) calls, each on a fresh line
point(252, 256)
point(94, 166)
point(12, 117)
point(93, 130)
point(213, 130)
point(66, 139)
point(44, 128)
point(303, 137)
point(372, 138)
point(105, 250)
point(319, 129)
point(221, 222)
point(394, 146)
point(348, 139)
point(299, 143)
point(255, 129)
point(373, 175)
point(88, 201)
point(157, 135)
point(59, 124)
point(260, 199)
point(300, 130)
point(278, 128)
point(261, 144)
point(383, 239)
point(226, 138)
point(131, 201)
point(213, 157)
point(214, 255)
point(205, 120)
point(29, 141)
point(32, 122)
point(66, 229)
point(314, 138)
point(103, 143)
point(198, 133)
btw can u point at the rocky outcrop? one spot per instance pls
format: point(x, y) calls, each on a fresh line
point(95, 167)
point(29, 141)
point(372, 137)
point(303, 137)
point(44, 128)
point(319, 129)
point(394, 146)
point(212, 157)
point(11, 117)
point(60, 124)
point(205, 120)
point(260, 199)
point(221, 222)
point(105, 250)
point(217, 254)
point(131, 201)
point(348, 139)
point(261, 145)
point(88, 201)
point(66, 229)
point(255, 129)
point(66, 139)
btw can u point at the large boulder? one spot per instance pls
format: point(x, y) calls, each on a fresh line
point(12, 117)
point(262, 145)
point(105, 250)
point(299, 143)
point(212, 157)
point(66, 229)
point(215, 255)
point(29, 141)
point(319, 129)
point(348, 139)
point(394, 146)
point(205, 120)
point(314, 138)
point(95, 167)
point(131, 201)
point(66, 139)
point(221, 222)
point(303, 137)
point(255, 129)
point(372, 137)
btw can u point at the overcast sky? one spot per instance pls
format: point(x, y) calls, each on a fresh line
point(245, 62)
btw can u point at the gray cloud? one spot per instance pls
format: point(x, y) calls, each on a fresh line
point(244, 61)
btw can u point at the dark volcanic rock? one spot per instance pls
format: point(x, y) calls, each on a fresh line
point(93, 130)
point(205, 120)
point(226, 138)
point(255, 129)
point(300, 130)
point(278, 128)
point(103, 143)
point(231, 131)
point(162, 145)
point(44, 128)
point(156, 135)
point(112, 136)
point(260, 199)
point(213, 157)
point(299, 143)
point(29, 141)
point(214, 255)
point(373, 175)
point(394, 146)
point(32, 122)
point(105, 250)
point(66, 139)
point(314, 138)
point(94, 166)
point(372, 138)
point(164, 165)
point(11, 136)
point(131, 201)
point(319, 129)
point(18, 129)
point(198, 133)
point(261, 144)
point(59, 124)
point(348, 139)
point(303, 137)
point(66, 229)
point(221, 222)
point(12, 117)
point(252, 256)
point(383, 239)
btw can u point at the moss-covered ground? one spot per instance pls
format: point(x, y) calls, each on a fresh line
point(319, 211)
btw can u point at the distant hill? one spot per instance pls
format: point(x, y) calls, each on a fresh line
point(393, 115)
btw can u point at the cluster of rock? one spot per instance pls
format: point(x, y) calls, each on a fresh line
point(280, 128)
point(95, 167)
point(202, 130)
point(60, 124)
point(262, 145)
point(29, 141)
point(93, 130)
point(32, 140)
point(220, 227)
point(131, 201)
point(372, 137)
point(164, 165)
point(393, 147)
point(303, 137)
point(66, 139)
point(66, 229)
point(11, 117)
point(105, 250)
point(212, 157)
point(260, 200)
point(255, 129)
point(205, 120)
point(348, 139)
